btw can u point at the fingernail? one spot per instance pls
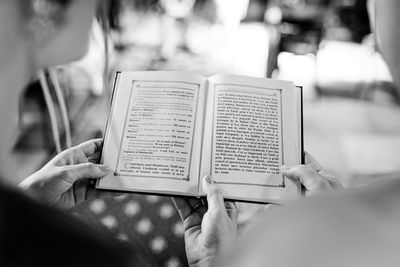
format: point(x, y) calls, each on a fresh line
point(104, 168)
point(209, 179)
point(285, 168)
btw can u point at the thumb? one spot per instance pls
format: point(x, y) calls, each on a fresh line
point(215, 199)
point(85, 171)
point(307, 176)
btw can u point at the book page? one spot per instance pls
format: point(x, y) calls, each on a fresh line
point(250, 132)
point(154, 133)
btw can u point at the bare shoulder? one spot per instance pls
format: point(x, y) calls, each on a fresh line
point(341, 227)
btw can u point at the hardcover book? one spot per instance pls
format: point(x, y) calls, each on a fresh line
point(166, 130)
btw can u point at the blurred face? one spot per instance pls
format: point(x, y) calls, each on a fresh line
point(70, 41)
point(22, 54)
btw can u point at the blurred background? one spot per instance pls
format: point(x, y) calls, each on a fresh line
point(351, 105)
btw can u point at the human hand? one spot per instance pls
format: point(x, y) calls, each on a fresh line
point(312, 176)
point(64, 180)
point(209, 231)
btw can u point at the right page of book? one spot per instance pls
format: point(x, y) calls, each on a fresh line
point(252, 127)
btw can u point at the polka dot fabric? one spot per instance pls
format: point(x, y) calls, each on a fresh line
point(152, 221)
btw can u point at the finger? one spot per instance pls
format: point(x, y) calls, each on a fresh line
point(91, 147)
point(270, 207)
point(80, 191)
point(91, 193)
point(333, 181)
point(215, 199)
point(191, 220)
point(94, 193)
point(311, 180)
point(310, 160)
point(84, 171)
point(95, 158)
point(108, 194)
point(335, 184)
point(232, 210)
point(183, 207)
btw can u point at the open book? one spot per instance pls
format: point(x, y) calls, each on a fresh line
point(166, 130)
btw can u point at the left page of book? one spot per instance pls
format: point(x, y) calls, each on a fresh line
point(154, 131)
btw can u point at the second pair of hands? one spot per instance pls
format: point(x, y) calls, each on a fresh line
point(209, 228)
